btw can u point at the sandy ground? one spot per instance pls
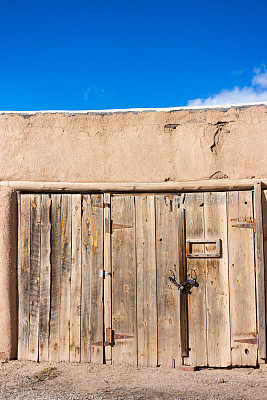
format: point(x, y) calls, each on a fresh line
point(28, 380)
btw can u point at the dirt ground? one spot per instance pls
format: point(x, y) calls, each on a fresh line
point(28, 380)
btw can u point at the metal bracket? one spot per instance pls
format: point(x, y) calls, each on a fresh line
point(110, 226)
point(250, 225)
point(111, 336)
point(103, 273)
point(247, 340)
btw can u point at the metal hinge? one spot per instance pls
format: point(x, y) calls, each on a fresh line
point(110, 225)
point(250, 225)
point(111, 336)
point(248, 340)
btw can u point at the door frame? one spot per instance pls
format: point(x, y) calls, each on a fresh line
point(167, 187)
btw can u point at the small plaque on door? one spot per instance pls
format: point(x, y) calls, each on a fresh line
point(191, 254)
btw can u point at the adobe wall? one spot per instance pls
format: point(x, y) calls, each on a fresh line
point(119, 147)
point(134, 147)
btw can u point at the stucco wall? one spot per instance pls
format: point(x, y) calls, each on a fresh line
point(135, 147)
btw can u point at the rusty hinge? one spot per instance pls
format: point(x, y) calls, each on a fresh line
point(249, 225)
point(119, 226)
point(248, 340)
point(111, 336)
point(101, 205)
point(110, 225)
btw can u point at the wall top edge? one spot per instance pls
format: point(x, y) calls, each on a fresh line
point(138, 110)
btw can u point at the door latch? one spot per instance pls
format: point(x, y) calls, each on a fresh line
point(186, 286)
point(103, 273)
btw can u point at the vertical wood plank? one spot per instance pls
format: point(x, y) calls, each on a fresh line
point(35, 276)
point(197, 322)
point(124, 281)
point(75, 289)
point(108, 277)
point(64, 320)
point(96, 244)
point(167, 293)
point(182, 277)
point(45, 272)
point(24, 276)
point(55, 276)
point(264, 215)
point(259, 260)
point(241, 279)
point(217, 281)
point(146, 280)
point(92, 328)
point(85, 295)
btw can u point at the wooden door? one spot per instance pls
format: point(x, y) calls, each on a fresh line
point(222, 310)
point(59, 290)
point(145, 304)
point(155, 323)
point(132, 313)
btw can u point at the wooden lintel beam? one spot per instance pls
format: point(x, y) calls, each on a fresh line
point(122, 187)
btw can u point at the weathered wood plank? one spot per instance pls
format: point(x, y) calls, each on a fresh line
point(108, 278)
point(264, 215)
point(85, 295)
point(124, 281)
point(217, 282)
point(24, 276)
point(35, 276)
point(75, 289)
point(241, 279)
point(259, 261)
point(45, 277)
point(167, 293)
point(96, 284)
point(197, 322)
point(182, 277)
point(55, 277)
point(146, 281)
point(64, 320)
point(92, 318)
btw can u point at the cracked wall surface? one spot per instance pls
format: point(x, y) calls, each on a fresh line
point(135, 147)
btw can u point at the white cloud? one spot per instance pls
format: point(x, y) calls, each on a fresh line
point(255, 92)
point(94, 92)
point(260, 79)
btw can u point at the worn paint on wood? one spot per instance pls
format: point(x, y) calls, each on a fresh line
point(45, 278)
point(124, 281)
point(75, 286)
point(35, 260)
point(85, 295)
point(54, 341)
point(146, 281)
point(64, 321)
point(241, 279)
point(24, 277)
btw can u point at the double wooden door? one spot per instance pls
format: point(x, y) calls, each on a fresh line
point(94, 279)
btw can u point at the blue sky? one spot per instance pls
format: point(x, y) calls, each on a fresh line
point(119, 54)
